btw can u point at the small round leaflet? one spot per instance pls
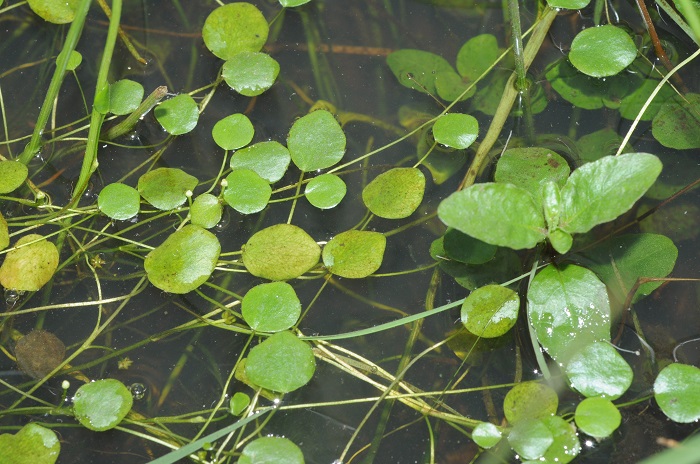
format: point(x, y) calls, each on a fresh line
point(355, 253)
point(530, 400)
point(490, 311)
point(239, 402)
point(33, 444)
point(55, 11)
point(281, 363)
point(325, 191)
point(233, 132)
point(486, 435)
point(676, 391)
point(101, 405)
point(597, 417)
point(271, 307)
point(179, 115)
point(246, 191)
point(269, 159)
point(456, 130)
point(277, 450)
point(250, 73)
point(530, 438)
point(119, 201)
point(206, 211)
point(12, 175)
point(234, 28)
point(120, 98)
point(31, 266)
point(395, 194)
point(316, 141)
point(602, 51)
point(166, 188)
point(599, 370)
point(280, 252)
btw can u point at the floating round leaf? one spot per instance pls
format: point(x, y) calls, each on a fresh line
point(355, 253)
point(531, 168)
point(325, 191)
point(39, 352)
point(530, 400)
point(4, 233)
point(277, 450)
point(316, 141)
point(121, 97)
point(206, 211)
point(166, 188)
point(271, 307)
point(234, 28)
point(486, 435)
point(450, 86)
point(239, 402)
point(280, 252)
point(583, 91)
point(55, 11)
point(477, 55)
point(490, 311)
point(269, 159)
point(597, 417)
point(33, 444)
point(677, 124)
point(281, 363)
point(30, 264)
point(530, 438)
point(178, 115)
point(602, 51)
point(676, 391)
point(74, 60)
point(566, 445)
point(184, 261)
point(119, 201)
point(101, 405)
point(456, 130)
point(246, 191)
point(250, 73)
point(395, 194)
point(12, 175)
point(416, 69)
point(467, 249)
point(233, 132)
point(632, 103)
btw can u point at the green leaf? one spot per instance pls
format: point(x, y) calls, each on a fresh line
point(4, 233)
point(486, 435)
point(316, 141)
point(280, 252)
point(466, 249)
point(569, 4)
point(269, 159)
point(325, 191)
point(456, 130)
point(565, 446)
point(30, 264)
point(281, 363)
point(55, 11)
point(120, 98)
point(676, 391)
point(271, 450)
point(450, 86)
point(101, 405)
point(246, 191)
point(33, 444)
point(632, 104)
point(677, 124)
point(206, 211)
point(12, 175)
point(531, 168)
point(238, 403)
point(529, 400)
point(530, 438)
point(621, 260)
point(271, 307)
point(677, 220)
point(597, 417)
point(234, 28)
point(119, 201)
point(354, 254)
point(583, 91)
point(477, 55)
point(74, 60)
point(490, 311)
point(179, 115)
point(416, 69)
point(504, 266)
point(499, 214)
point(166, 188)
point(561, 240)
point(395, 194)
point(599, 370)
point(184, 261)
point(568, 308)
point(602, 51)
point(250, 73)
point(233, 132)
point(601, 191)
point(596, 145)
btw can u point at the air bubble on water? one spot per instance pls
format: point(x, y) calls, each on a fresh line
point(138, 390)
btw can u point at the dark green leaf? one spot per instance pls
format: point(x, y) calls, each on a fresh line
point(178, 115)
point(271, 307)
point(676, 391)
point(234, 28)
point(599, 370)
point(233, 132)
point(119, 201)
point(531, 168)
point(250, 73)
point(602, 51)
point(597, 417)
point(325, 191)
point(281, 363)
point(246, 191)
point(101, 405)
point(632, 104)
point(456, 130)
point(271, 450)
point(677, 124)
point(466, 249)
point(416, 69)
point(586, 92)
point(269, 159)
point(451, 87)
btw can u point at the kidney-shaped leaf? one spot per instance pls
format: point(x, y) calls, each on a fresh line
point(277, 450)
point(33, 444)
point(234, 28)
point(490, 311)
point(281, 363)
point(184, 261)
point(246, 191)
point(271, 307)
point(569, 309)
point(602, 51)
point(597, 417)
point(179, 115)
point(250, 73)
point(101, 405)
point(30, 265)
point(119, 201)
point(395, 194)
point(166, 188)
point(269, 159)
point(599, 370)
point(456, 130)
point(602, 190)
point(280, 252)
point(316, 141)
point(355, 253)
point(499, 214)
point(676, 391)
point(12, 175)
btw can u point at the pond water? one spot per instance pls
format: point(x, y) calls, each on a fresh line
point(177, 353)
